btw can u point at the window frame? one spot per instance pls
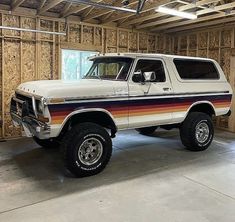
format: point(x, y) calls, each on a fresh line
point(196, 80)
point(149, 58)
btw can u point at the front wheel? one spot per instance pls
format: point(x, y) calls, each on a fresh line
point(197, 131)
point(87, 149)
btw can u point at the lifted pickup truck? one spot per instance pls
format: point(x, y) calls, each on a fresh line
point(123, 91)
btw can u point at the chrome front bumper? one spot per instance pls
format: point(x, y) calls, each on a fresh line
point(32, 127)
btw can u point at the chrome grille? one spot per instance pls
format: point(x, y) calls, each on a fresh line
point(28, 101)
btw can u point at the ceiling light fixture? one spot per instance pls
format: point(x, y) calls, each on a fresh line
point(175, 12)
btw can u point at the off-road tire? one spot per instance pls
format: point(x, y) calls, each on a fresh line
point(188, 131)
point(147, 130)
point(47, 143)
point(74, 139)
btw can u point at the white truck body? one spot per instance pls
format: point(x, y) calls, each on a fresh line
point(129, 104)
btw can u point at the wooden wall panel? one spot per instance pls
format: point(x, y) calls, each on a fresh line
point(46, 63)
point(133, 41)
point(12, 21)
point(11, 80)
point(88, 34)
point(28, 23)
point(75, 33)
point(123, 39)
point(28, 62)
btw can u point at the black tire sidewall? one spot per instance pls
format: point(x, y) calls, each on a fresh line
point(73, 162)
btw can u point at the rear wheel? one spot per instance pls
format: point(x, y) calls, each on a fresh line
point(147, 130)
point(197, 131)
point(87, 149)
point(47, 143)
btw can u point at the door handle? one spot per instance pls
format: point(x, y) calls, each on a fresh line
point(166, 89)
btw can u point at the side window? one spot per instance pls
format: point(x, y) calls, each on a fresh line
point(196, 69)
point(147, 65)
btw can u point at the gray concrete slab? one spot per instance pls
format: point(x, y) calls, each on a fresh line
point(148, 179)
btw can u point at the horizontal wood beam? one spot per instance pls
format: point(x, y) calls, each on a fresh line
point(50, 5)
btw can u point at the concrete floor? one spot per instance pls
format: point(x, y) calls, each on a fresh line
point(148, 179)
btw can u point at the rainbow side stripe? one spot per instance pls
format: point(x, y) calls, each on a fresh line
point(139, 106)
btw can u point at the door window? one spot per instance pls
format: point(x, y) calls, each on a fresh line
point(156, 66)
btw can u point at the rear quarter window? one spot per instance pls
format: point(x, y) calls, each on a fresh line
point(196, 69)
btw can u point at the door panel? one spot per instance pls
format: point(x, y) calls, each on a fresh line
point(148, 104)
point(121, 111)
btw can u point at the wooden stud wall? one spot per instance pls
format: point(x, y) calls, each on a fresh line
point(26, 56)
point(217, 44)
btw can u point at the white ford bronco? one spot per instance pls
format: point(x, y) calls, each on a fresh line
point(123, 91)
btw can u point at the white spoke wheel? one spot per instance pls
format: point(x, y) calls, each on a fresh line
point(197, 131)
point(87, 149)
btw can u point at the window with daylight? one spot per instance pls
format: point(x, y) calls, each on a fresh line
point(75, 64)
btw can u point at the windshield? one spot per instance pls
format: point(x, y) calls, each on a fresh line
point(112, 68)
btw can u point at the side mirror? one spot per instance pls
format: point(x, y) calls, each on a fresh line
point(149, 76)
point(138, 77)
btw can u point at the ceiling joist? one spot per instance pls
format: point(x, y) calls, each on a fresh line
point(15, 4)
point(50, 5)
point(105, 12)
point(200, 12)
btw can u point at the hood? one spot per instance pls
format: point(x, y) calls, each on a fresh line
point(68, 89)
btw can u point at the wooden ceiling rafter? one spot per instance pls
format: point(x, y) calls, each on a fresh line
point(15, 4)
point(50, 5)
point(66, 8)
point(172, 20)
point(42, 3)
point(189, 22)
point(198, 26)
point(105, 12)
point(77, 9)
point(145, 9)
point(157, 15)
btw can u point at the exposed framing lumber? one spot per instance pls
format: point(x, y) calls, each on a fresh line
point(157, 15)
point(201, 12)
point(50, 5)
point(76, 10)
point(42, 4)
point(66, 8)
point(202, 19)
point(105, 12)
point(198, 26)
point(145, 9)
point(16, 3)
point(88, 12)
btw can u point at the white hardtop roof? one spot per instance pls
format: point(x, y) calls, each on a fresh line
point(134, 55)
